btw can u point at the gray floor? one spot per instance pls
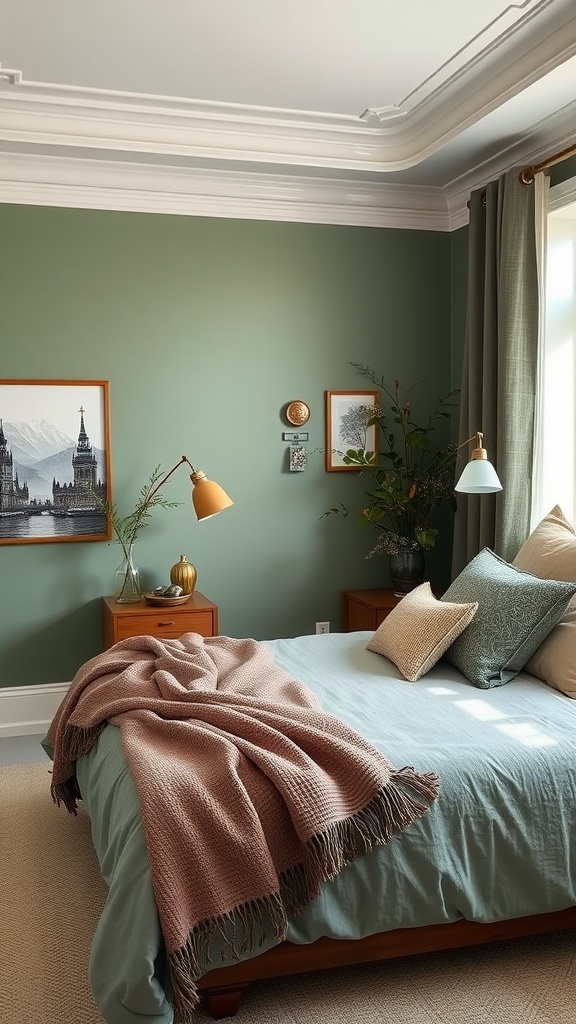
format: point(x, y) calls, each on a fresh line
point(21, 749)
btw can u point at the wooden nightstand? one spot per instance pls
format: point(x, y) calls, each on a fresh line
point(197, 615)
point(366, 609)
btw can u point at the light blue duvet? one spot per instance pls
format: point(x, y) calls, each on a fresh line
point(495, 845)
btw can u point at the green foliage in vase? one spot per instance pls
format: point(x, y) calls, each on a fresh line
point(412, 473)
point(127, 528)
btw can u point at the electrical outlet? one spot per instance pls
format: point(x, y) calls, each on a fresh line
point(322, 627)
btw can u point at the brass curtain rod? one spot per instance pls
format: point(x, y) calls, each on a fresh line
point(529, 173)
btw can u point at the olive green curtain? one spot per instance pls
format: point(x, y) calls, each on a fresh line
point(500, 366)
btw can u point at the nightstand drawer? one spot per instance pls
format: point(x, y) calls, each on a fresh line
point(163, 624)
point(121, 621)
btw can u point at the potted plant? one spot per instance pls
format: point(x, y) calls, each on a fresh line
point(406, 481)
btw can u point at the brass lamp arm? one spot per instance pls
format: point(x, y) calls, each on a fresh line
point(479, 451)
point(479, 437)
point(166, 476)
point(208, 498)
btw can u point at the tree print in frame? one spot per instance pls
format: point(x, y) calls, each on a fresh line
point(347, 415)
point(54, 461)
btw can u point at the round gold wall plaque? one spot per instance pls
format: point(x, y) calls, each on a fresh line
point(297, 413)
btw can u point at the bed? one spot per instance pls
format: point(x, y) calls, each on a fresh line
point(491, 857)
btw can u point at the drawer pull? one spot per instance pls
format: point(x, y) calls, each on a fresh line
point(169, 622)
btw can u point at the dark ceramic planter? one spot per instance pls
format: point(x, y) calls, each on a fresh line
point(407, 570)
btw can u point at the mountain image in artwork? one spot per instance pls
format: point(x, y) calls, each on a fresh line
point(34, 440)
point(41, 454)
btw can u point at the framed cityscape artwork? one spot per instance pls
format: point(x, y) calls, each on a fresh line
point(54, 461)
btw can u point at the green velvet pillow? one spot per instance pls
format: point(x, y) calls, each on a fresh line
point(516, 611)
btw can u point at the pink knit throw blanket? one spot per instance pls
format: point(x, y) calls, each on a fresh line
point(251, 796)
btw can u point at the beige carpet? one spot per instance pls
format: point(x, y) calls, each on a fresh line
point(51, 894)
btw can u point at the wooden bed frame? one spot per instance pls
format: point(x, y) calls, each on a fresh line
point(223, 987)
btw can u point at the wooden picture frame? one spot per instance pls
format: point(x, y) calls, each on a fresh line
point(346, 426)
point(54, 461)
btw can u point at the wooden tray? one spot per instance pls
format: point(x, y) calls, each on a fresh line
point(166, 602)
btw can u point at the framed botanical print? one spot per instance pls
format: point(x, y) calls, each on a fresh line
point(54, 461)
point(347, 417)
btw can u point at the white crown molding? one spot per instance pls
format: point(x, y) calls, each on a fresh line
point(82, 120)
point(112, 185)
point(97, 149)
point(104, 184)
point(12, 75)
point(132, 126)
point(529, 50)
point(27, 710)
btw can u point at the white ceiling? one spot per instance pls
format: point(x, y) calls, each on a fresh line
point(274, 89)
point(330, 56)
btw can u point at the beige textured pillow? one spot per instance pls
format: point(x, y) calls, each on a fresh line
point(555, 659)
point(550, 552)
point(419, 630)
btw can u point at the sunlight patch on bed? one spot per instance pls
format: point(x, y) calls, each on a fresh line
point(528, 734)
point(480, 709)
point(441, 691)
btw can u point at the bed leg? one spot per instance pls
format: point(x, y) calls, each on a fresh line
point(224, 1000)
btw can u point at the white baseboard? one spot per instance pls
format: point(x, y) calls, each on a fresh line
point(26, 710)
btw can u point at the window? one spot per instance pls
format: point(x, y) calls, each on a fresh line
point(554, 478)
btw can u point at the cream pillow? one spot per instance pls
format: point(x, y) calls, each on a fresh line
point(419, 630)
point(555, 659)
point(550, 552)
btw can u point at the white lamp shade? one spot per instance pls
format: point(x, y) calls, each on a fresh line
point(208, 497)
point(479, 477)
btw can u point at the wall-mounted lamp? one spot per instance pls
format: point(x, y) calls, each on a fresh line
point(479, 476)
point(208, 497)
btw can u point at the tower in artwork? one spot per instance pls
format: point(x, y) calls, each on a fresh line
point(88, 490)
point(13, 496)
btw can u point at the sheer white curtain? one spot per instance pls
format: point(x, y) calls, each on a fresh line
point(554, 470)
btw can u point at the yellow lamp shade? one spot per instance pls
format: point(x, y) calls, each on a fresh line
point(208, 497)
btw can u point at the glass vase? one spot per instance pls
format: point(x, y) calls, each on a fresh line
point(407, 570)
point(127, 580)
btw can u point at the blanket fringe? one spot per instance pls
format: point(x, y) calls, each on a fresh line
point(244, 929)
point(76, 742)
point(393, 808)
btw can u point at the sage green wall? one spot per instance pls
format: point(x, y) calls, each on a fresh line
point(459, 297)
point(563, 171)
point(205, 329)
